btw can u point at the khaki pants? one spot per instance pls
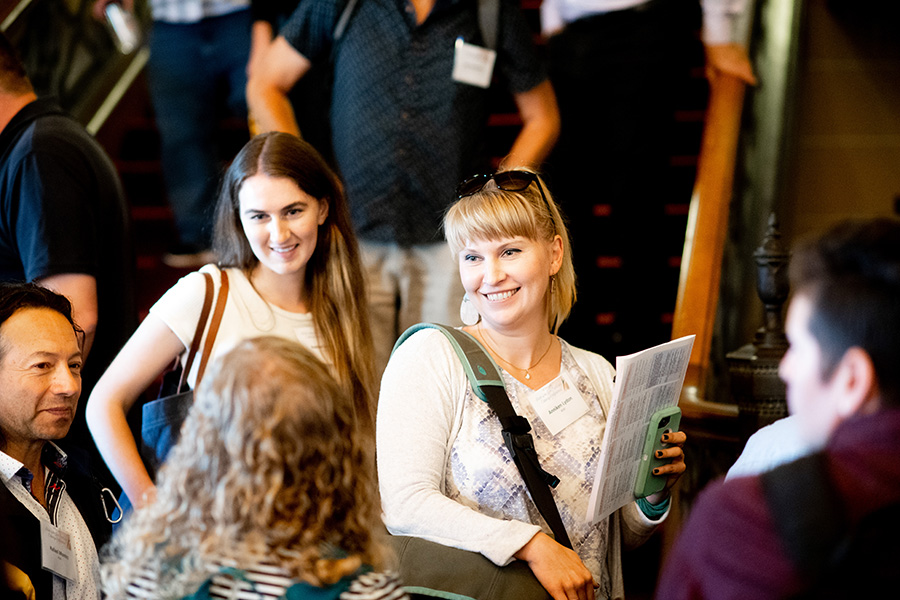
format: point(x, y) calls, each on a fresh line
point(408, 286)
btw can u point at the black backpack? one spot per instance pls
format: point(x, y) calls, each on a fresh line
point(311, 96)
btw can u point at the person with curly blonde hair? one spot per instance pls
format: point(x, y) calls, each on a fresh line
point(271, 487)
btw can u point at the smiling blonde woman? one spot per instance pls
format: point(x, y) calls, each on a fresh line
point(444, 470)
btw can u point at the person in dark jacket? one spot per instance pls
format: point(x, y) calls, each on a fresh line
point(50, 504)
point(65, 223)
point(824, 525)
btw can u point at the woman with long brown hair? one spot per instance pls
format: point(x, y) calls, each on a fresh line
point(283, 238)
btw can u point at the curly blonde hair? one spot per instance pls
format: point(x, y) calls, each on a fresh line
point(273, 465)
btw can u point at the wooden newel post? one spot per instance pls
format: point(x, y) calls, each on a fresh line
point(755, 385)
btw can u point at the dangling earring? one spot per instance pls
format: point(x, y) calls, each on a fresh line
point(468, 314)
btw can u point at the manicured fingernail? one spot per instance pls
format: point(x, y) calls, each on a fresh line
point(656, 471)
point(665, 437)
point(659, 454)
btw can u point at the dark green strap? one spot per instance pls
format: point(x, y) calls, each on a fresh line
point(481, 370)
point(297, 591)
point(807, 511)
point(487, 383)
point(488, 18)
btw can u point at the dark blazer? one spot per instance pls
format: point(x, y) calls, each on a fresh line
point(22, 530)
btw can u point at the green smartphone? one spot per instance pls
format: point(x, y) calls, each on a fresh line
point(663, 421)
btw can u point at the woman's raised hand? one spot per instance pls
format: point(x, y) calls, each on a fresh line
point(557, 568)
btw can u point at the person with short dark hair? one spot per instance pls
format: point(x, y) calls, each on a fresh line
point(64, 222)
point(765, 536)
point(50, 504)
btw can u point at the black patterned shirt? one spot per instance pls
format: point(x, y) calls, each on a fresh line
point(404, 132)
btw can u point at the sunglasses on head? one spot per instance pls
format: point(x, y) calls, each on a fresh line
point(508, 181)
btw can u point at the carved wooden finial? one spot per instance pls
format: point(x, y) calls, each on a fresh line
point(772, 286)
point(755, 386)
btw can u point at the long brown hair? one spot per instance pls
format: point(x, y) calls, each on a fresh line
point(333, 281)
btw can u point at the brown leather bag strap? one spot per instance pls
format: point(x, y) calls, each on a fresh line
point(213, 327)
point(198, 333)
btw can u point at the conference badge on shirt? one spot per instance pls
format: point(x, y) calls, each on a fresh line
point(559, 403)
point(473, 64)
point(56, 552)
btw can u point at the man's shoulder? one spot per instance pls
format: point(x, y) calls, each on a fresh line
point(728, 548)
point(58, 133)
point(69, 161)
point(732, 514)
point(41, 113)
point(52, 141)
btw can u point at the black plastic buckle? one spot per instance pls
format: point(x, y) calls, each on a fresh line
point(522, 444)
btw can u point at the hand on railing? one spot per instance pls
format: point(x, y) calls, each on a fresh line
point(729, 59)
point(100, 7)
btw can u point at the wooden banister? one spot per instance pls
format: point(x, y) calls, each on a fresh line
point(701, 266)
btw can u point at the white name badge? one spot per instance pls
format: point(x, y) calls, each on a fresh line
point(473, 64)
point(56, 552)
point(559, 404)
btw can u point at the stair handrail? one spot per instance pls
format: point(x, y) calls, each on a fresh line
point(705, 237)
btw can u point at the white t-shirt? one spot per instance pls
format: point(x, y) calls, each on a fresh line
point(773, 445)
point(246, 315)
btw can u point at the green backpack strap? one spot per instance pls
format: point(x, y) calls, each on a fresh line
point(487, 383)
point(203, 592)
point(480, 368)
point(298, 591)
point(306, 591)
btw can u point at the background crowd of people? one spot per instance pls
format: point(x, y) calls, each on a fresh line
point(322, 257)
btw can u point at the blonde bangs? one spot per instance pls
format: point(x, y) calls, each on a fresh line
point(493, 214)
